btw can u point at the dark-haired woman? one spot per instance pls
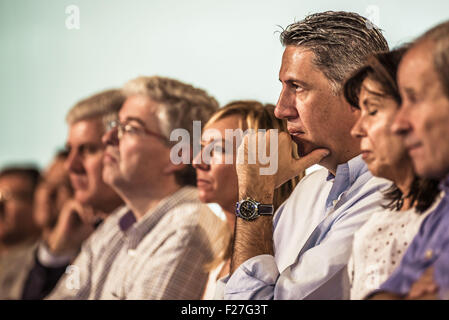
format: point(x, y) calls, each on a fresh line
point(379, 245)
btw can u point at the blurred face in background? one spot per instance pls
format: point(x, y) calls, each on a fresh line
point(16, 209)
point(51, 194)
point(85, 165)
point(217, 182)
point(424, 117)
point(383, 152)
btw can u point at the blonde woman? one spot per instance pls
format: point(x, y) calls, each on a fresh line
point(217, 179)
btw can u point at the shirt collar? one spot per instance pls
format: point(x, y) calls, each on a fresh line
point(135, 230)
point(345, 176)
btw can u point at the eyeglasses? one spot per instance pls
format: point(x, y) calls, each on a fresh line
point(127, 128)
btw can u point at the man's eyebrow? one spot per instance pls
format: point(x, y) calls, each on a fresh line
point(127, 119)
point(409, 91)
point(292, 81)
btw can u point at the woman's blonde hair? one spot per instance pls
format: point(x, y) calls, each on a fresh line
point(253, 115)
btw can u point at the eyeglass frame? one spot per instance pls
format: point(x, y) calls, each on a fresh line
point(120, 127)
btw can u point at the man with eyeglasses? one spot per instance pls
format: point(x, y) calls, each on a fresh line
point(18, 232)
point(157, 246)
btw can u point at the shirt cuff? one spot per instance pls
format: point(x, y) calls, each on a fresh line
point(254, 279)
point(50, 260)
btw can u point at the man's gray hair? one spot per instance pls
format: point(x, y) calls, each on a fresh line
point(341, 42)
point(104, 105)
point(179, 103)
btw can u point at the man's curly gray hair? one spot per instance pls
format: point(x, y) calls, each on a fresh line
point(341, 42)
point(179, 104)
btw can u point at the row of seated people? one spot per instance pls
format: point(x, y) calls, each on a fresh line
point(123, 214)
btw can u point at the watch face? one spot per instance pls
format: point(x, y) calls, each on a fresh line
point(247, 209)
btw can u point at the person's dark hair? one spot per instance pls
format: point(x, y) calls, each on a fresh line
point(422, 193)
point(382, 68)
point(30, 173)
point(340, 40)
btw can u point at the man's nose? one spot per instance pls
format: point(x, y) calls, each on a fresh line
point(74, 162)
point(286, 106)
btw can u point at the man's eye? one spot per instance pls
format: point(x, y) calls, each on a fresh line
point(297, 87)
point(412, 98)
point(372, 112)
point(130, 129)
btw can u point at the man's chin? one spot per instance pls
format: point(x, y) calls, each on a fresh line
point(304, 148)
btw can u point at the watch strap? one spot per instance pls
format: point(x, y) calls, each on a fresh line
point(266, 209)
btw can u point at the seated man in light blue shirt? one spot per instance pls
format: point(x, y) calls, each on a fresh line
point(302, 253)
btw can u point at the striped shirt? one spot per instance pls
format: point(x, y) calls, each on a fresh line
point(162, 256)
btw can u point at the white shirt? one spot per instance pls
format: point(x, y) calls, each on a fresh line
point(313, 233)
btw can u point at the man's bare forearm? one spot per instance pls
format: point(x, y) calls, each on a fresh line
point(252, 238)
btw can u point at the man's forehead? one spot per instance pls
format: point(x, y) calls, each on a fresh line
point(86, 126)
point(298, 62)
point(298, 56)
point(85, 132)
point(417, 65)
point(139, 107)
point(13, 182)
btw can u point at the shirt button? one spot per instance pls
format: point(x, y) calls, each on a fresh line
point(429, 254)
point(132, 253)
point(334, 202)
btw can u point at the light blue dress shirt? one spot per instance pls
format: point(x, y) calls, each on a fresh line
point(313, 232)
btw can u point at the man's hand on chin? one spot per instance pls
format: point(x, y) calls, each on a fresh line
point(253, 238)
point(261, 187)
